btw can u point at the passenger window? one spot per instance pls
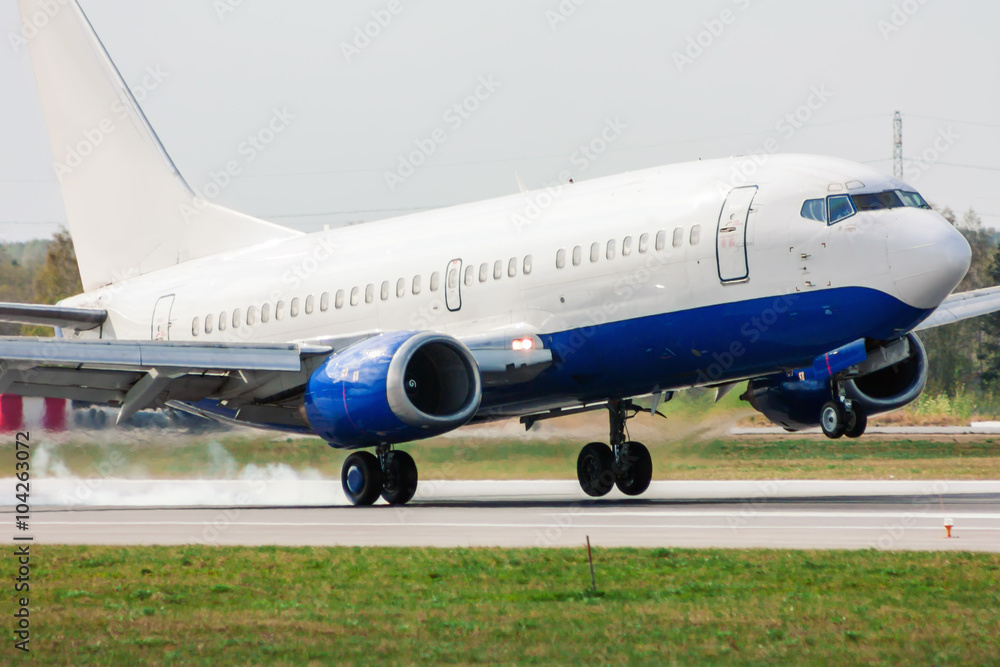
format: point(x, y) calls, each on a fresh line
point(643, 244)
point(293, 310)
point(384, 292)
point(661, 240)
point(416, 285)
point(223, 321)
point(279, 311)
point(595, 252)
point(400, 288)
point(498, 270)
point(484, 272)
point(528, 262)
point(196, 326)
point(251, 316)
point(310, 303)
point(338, 302)
point(627, 246)
point(209, 324)
point(611, 249)
point(561, 259)
point(435, 281)
point(265, 313)
point(324, 302)
point(453, 278)
point(370, 293)
point(678, 237)
point(355, 296)
point(841, 208)
point(695, 235)
point(814, 209)
point(237, 318)
point(512, 267)
point(577, 255)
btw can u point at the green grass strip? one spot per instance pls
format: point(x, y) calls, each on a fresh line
point(211, 606)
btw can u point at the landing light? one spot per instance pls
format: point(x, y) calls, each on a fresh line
point(523, 344)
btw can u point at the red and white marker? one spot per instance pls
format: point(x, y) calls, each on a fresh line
point(948, 525)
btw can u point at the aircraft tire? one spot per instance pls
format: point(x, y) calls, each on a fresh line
point(399, 478)
point(361, 478)
point(595, 469)
point(857, 423)
point(833, 420)
point(635, 479)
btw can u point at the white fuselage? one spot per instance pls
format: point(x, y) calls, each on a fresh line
point(611, 250)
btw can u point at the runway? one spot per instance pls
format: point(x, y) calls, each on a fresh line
point(792, 515)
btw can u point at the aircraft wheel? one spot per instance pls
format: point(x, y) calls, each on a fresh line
point(857, 423)
point(595, 469)
point(361, 478)
point(399, 478)
point(833, 420)
point(634, 478)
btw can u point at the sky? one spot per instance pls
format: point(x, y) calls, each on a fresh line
point(451, 99)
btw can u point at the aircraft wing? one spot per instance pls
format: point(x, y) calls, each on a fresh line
point(259, 383)
point(81, 319)
point(963, 306)
point(141, 374)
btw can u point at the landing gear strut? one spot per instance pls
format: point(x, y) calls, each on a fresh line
point(626, 464)
point(391, 474)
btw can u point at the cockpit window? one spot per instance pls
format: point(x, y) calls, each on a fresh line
point(835, 208)
point(814, 209)
point(878, 201)
point(913, 200)
point(841, 208)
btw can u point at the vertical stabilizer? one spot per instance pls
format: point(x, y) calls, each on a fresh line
point(130, 212)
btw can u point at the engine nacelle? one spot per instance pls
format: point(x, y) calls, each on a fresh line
point(393, 388)
point(796, 404)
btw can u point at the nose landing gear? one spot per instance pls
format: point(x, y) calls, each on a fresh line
point(843, 417)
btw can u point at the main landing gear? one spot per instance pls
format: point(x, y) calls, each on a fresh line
point(624, 464)
point(843, 417)
point(388, 473)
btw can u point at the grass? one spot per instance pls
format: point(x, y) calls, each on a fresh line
point(203, 605)
point(230, 457)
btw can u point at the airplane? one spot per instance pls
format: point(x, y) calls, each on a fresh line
point(808, 279)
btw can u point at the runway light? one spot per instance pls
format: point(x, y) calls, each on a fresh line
point(948, 525)
point(523, 344)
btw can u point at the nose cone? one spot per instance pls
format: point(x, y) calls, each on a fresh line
point(928, 258)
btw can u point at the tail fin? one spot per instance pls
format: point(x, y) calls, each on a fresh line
point(130, 212)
